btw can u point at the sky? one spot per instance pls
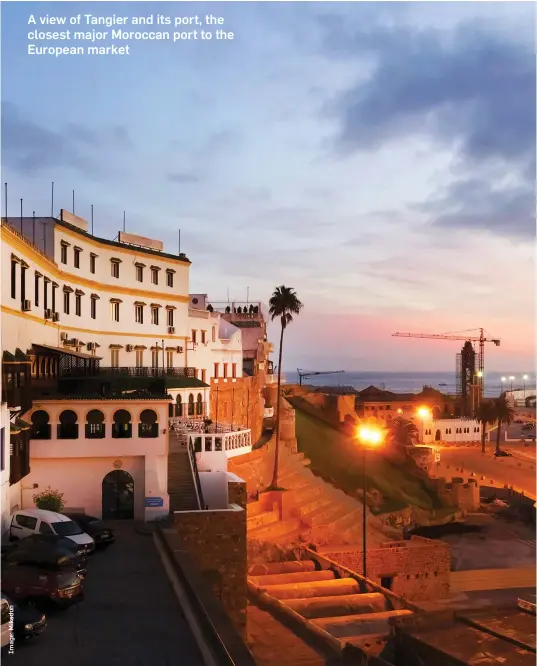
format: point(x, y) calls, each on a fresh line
point(379, 158)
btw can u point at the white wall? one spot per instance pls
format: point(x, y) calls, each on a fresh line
point(214, 489)
point(4, 490)
point(451, 430)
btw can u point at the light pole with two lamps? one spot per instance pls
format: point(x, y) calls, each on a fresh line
point(423, 413)
point(512, 379)
point(524, 379)
point(370, 437)
point(504, 379)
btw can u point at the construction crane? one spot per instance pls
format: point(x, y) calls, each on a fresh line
point(467, 375)
point(305, 374)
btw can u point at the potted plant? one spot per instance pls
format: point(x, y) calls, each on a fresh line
point(207, 424)
point(50, 500)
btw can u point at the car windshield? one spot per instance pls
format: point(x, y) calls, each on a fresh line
point(67, 579)
point(66, 528)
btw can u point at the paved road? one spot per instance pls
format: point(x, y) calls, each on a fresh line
point(492, 579)
point(130, 616)
point(518, 471)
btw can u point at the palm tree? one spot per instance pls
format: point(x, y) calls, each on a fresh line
point(283, 303)
point(486, 415)
point(403, 433)
point(503, 413)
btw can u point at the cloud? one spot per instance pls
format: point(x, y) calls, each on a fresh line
point(183, 178)
point(32, 149)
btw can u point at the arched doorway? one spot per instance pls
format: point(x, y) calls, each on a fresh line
point(118, 496)
point(438, 436)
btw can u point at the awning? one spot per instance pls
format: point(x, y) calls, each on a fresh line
point(22, 425)
point(18, 357)
point(67, 352)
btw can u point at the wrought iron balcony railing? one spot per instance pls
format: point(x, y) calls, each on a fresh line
point(128, 371)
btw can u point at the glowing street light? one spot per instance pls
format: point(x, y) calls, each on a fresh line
point(512, 379)
point(524, 378)
point(423, 412)
point(504, 379)
point(369, 437)
point(399, 411)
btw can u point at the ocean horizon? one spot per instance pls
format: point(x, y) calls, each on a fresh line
point(410, 382)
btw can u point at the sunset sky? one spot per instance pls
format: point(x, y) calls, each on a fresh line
point(377, 157)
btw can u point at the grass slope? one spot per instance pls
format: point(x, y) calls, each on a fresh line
point(334, 456)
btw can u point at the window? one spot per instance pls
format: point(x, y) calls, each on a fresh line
point(36, 289)
point(77, 252)
point(114, 358)
point(66, 302)
point(170, 317)
point(194, 335)
point(139, 272)
point(122, 426)
point(233, 370)
point(225, 370)
point(92, 262)
point(93, 307)
point(216, 370)
point(148, 426)
point(169, 359)
point(154, 315)
point(115, 310)
point(26, 521)
point(169, 278)
point(95, 424)
point(63, 253)
point(45, 293)
point(44, 528)
point(203, 336)
point(154, 274)
point(68, 425)
point(139, 358)
point(154, 358)
point(54, 287)
point(115, 267)
point(204, 376)
point(23, 283)
point(139, 313)
point(78, 305)
point(214, 334)
point(2, 452)
point(40, 425)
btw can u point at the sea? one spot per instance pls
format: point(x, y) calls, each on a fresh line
point(409, 382)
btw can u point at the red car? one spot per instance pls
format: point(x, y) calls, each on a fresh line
point(40, 585)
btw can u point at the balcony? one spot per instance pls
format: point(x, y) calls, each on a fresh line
point(128, 371)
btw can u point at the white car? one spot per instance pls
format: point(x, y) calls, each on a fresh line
point(26, 522)
point(6, 624)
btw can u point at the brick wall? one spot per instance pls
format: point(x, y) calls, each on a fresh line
point(463, 495)
point(236, 492)
point(216, 540)
point(240, 402)
point(419, 569)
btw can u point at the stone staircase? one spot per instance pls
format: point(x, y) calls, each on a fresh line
point(325, 604)
point(181, 484)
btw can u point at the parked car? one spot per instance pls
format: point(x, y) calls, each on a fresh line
point(6, 623)
point(26, 522)
point(532, 436)
point(99, 531)
point(502, 454)
point(48, 550)
point(528, 426)
point(28, 621)
point(42, 585)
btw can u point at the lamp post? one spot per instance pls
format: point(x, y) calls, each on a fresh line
point(504, 379)
point(512, 379)
point(524, 378)
point(369, 437)
point(423, 413)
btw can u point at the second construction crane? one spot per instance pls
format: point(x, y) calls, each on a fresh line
point(470, 379)
point(305, 374)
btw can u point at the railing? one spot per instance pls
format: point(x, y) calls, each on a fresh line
point(195, 472)
point(128, 371)
point(233, 443)
point(198, 426)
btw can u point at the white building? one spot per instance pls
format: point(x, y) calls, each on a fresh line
point(449, 430)
point(114, 345)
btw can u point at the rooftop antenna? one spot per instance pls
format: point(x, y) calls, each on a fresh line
point(92, 219)
point(33, 227)
point(247, 294)
point(73, 202)
point(5, 199)
point(123, 221)
point(52, 202)
point(45, 237)
point(21, 216)
point(228, 295)
point(179, 246)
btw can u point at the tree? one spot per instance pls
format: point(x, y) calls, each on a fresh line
point(283, 304)
point(402, 433)
point(486, 415)
point(503, 413)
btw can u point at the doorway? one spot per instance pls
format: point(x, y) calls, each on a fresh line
point(386, 582)
point(118, 496)
point(438, 436)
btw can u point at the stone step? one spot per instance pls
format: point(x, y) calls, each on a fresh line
point(349, 520)
point(254, 509)
point(291, 566)
point(355, 625)
point(326, 516)
point(266, 518)
point(305, 493)
point(306, 510)
point(351, 604)
point(273, 531)
point(294, 577)
point(336, 587)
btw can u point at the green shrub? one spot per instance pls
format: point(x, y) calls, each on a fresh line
point(51, 500)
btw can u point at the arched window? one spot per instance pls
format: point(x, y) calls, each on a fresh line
point(122, 426)
point(68, 426)
point(95, 428)
point(191, 405)
point(40, 425)
point(148, 426)
point(199, 404)
point(178, 405)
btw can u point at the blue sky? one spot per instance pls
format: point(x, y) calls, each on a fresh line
point(377, 157)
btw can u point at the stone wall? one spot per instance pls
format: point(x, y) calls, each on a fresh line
point(464, 495)
point(333, 408)
point(418, 569)
point(216, 540)
point(239, 401)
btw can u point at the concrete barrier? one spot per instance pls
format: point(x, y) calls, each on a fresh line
point(350, 604)
point(307, 590)
point(281, 567)
point(297, 577)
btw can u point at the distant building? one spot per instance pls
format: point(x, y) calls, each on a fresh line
point(387, 405)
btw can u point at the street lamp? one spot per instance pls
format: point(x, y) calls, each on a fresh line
point(512, 379)
point(525, 377)
point(504, 379)
point(369, 437)
point(423, 413)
